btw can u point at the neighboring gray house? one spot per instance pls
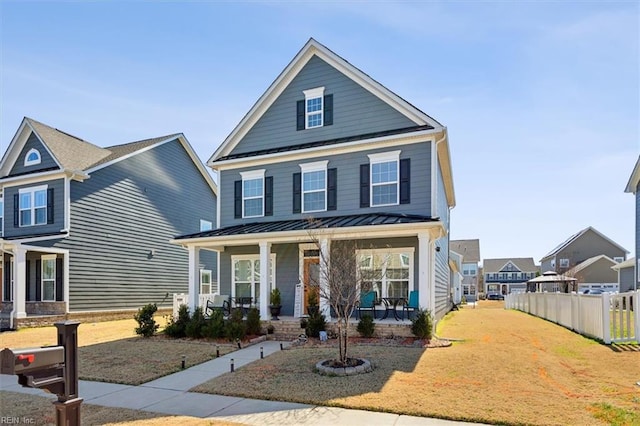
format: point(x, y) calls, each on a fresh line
point(508, 275)
point(470, 252)
point(595, 272)
point(626, 275)
point(579, 247)
point(326, 141)
point(87, 228)
point(633, 187)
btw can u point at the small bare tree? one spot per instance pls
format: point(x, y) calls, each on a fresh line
point(340, 285)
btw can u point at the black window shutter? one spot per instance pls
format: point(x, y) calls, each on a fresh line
point(332, 189)
point(50, 205)
point(364, 185)
point(28, 280)
point(6, 296)
point(38, 280)
point(328, 110)
point(405, 181)
point(300, 113)
point(268, 196)
point(16, 210)
point(297, 192)
point(237, 200)
point(59, 283)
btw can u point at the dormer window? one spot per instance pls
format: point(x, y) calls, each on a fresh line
point(32, 158)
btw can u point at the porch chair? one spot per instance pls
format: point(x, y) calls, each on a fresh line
point(220, 303)
point(411, 305)
point(367, 303)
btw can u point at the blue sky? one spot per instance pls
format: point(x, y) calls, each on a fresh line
point(541, 99)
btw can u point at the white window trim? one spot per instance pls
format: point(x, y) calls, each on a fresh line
point(564, 263)
point(316, 166)
point(252, 257)
point(42, 280)
point(32, 162)
point(32, 190)
point(1, 215)
point(205, 224)
point(251, 175)
point(387, 251)
point(618, 259)
point(204, 272)
point(318, 92)
point(384, 157)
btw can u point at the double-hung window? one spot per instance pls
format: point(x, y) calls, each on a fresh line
point(253, 193)
point(388, 272)
point(205, 282)
point(384, 180)
point(314, 107)
point(48, 278)
point(314, 186)
point(33, 206)
point(246, 276)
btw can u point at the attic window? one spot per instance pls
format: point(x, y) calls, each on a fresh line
point(313, 107)
point(32, 158)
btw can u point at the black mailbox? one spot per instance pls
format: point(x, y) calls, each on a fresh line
point(25, 361)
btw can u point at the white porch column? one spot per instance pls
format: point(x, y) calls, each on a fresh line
point(20, 282)
point(265, 278)
point(194, 277)
point(425, 283)
point(324, 306)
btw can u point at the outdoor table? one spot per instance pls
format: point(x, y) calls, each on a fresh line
point(243, 302)
point(391, 305)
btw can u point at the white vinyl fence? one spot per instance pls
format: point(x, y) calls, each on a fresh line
point(183, 299)
point(612, 318)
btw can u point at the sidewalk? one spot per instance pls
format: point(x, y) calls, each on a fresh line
point(168, 395)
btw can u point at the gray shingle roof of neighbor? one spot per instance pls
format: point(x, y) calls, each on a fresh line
point(370, 219)
point(74, 153)
point(574, 237)
point(525, 264)
point(469, 249)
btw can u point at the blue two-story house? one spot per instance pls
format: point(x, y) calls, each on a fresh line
point(326, 141)
point(87, 229)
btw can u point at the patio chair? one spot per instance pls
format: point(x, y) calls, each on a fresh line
point(411, 305)
point(220, 303)
point(367, 303)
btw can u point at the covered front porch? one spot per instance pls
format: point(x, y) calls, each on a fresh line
point(294, 255)
point(34, 281)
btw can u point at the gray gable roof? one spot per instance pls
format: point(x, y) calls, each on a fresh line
point(525, 264)
point(469, 249)
point(574, 237)
point(118, 151)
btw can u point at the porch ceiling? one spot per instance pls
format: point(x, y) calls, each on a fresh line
point(373, 225)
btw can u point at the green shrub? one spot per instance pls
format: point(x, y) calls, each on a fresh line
point(147, 326)
point(253, 322)
point(422, 325)
point(315, 324)
point(177, 326)
point(235, 328)
point(197, 322)
point(366, 326)
point(214, 328)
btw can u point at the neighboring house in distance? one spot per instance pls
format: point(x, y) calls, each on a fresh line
point(579, 247)
point(508, 275)
point(595, 272)
point(470, 251)
point(326, 141)
point(626, 275)
point(633, 187)
point(87, 229)
point(455, 264)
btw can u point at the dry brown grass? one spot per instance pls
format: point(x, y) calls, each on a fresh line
point(510, 368)
point(37, 410)
point(112, 352)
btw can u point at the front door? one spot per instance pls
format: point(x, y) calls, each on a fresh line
point(311, 277)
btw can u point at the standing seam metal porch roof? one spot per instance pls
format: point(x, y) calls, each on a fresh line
point(370, 219)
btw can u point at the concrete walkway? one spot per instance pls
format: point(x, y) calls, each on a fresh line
point(168, 395)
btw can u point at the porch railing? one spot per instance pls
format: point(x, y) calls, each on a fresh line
point(183, 299)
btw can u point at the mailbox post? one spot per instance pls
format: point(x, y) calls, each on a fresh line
point(54, 369)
